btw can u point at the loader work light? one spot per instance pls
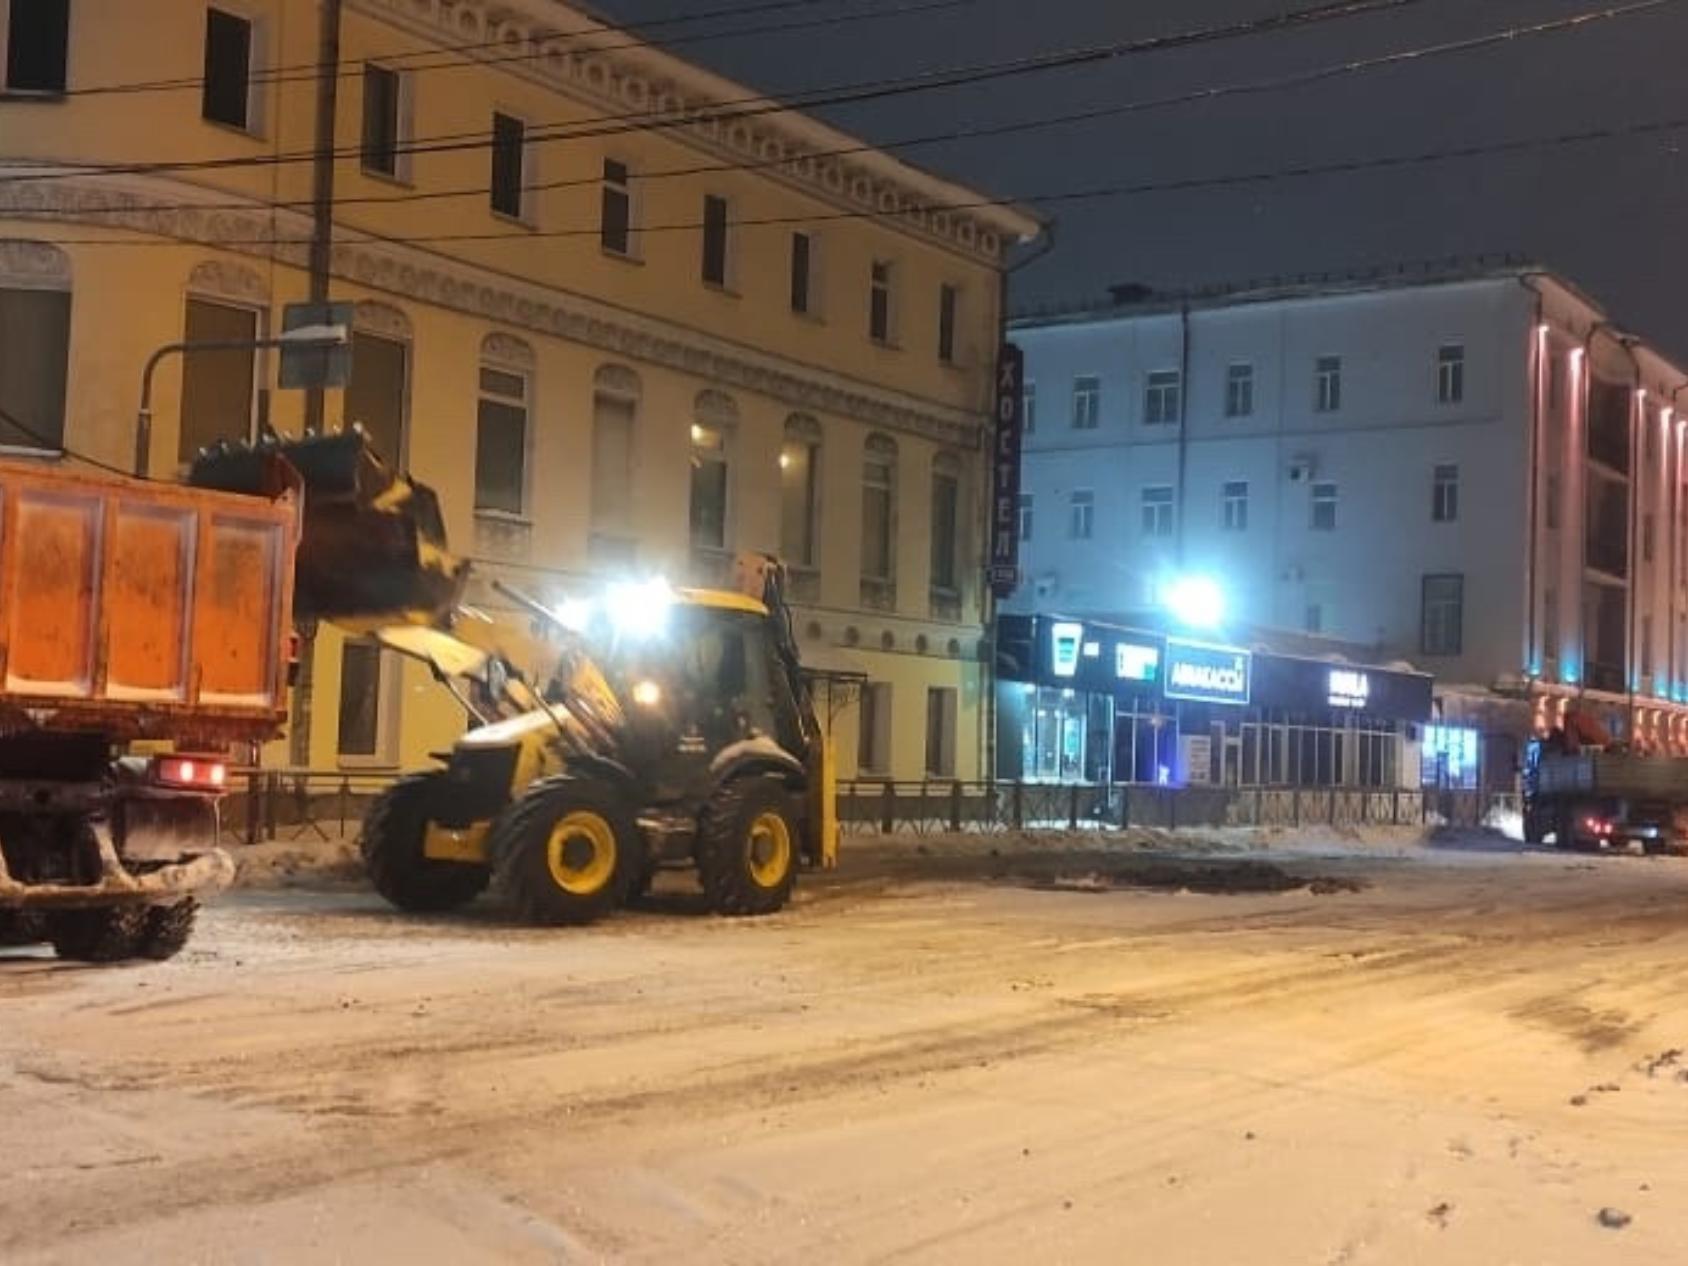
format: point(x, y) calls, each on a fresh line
point(639, 609)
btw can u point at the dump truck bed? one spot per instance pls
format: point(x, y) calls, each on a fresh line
point(1615, 774)
point(140, 609)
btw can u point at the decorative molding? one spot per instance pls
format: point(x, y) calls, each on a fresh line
point(33, 266)
point(617, 379)
point(408, 273)
point(633, 81)
point(507, 349)
point(381, 319)
point(229, 280)
point(715, 407)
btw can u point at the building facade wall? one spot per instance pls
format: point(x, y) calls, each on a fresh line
point(434, 270)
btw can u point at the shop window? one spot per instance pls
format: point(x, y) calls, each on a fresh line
point(1443, 615)
point(1449, 758)
point(941, 703)
point(501, 438)
point(873, 730)
point(226, 90)
point(34, 364)
point(217, 386)
point(35, 40)
point(509, 160)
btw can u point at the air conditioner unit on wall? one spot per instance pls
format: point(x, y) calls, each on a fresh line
point(1302, 467)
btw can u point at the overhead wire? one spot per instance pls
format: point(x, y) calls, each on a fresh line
point(1316, 75)
point(760, 104)
point(58, 447)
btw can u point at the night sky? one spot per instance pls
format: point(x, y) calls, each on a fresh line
point(1605, 214)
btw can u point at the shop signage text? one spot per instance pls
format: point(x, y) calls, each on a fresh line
point(1348, 688)
point(1004, 566)
point(1206, 674)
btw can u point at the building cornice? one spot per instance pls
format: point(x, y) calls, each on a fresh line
point(408, 272)
point(580, 57)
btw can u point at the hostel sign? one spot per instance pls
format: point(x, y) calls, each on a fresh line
point(1004, 566)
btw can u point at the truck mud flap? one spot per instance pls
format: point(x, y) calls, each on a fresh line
point(197, 876)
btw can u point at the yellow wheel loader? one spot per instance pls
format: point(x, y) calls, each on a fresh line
point(637, 729)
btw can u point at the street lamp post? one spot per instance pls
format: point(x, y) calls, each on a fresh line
point(305, 337)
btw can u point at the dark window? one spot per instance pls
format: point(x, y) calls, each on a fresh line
point(501, 441)
point(616, 230)
point(800, 470)
point(1081, 517)
point(1324, 507)
point(1450, 373)
point(1026, 516)
point(216, 386)
point(360, 698)
point(375, 395)
point(873, 734)
point(1087, 403)
point(1160, 397)
point(1444, 494)
point(1028, 408)
point(1609, 422)
point(946, 520)
point(714, 240)
point(227, 95)
point(34, 366)
point(380, 120)
point(1234, 505)
point(1157, 510)
point(1551, 496)
point(947, 297)
point(1313, 618)
point(879, 488)
point(508, 139)
point(1239, 390)
point(879, 302)
point(1442, 629)
point(940, 731)
point(1327, 384)
point(1606, 524)
point(802, 262)
point(709, 487)
point(37, 42)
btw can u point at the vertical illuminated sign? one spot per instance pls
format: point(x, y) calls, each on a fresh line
point(1004, 567)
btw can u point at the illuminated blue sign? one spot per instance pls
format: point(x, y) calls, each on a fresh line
point(1206, 674)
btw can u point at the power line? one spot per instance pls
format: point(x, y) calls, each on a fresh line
point(1229, 180)
point(1316, 75)
point(756, 106)
point(58, 446)
point(308, 71)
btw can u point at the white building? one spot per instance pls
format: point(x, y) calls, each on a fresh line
point(1475, 471)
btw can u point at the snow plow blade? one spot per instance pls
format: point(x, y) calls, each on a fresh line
point(372, 544)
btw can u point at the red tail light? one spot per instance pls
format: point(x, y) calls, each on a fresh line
point(198, 772)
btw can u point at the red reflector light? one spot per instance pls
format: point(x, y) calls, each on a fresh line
point(186, 771)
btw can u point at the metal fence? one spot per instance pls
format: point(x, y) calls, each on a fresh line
point(321, 805)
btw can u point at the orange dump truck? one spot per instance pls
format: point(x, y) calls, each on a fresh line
point(135, 617)
point(145, 630)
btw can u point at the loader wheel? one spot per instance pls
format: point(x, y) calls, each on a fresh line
point(22, 927)
point(747, 847)
point(566, 852)
point(165, 929)
point(391, 845)
point(104, 935)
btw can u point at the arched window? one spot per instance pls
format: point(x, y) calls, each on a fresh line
point(947, 526)
point(502, 433)
point(615, 418)
point(879, 521)
point(800, 492)
point(714, 418)
point(34, 344)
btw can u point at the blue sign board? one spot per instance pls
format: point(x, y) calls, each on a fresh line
point(1206, 674)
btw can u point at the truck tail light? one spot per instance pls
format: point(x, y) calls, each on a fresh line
point(1597, 826)
point(198, 772)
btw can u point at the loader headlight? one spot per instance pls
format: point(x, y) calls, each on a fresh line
point(647, 694)
point(639, 609)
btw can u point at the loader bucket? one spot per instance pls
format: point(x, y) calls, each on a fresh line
point(372, 544)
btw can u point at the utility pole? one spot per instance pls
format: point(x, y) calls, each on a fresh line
point(322, 250)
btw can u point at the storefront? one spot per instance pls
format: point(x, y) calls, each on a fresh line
point(1086, 701)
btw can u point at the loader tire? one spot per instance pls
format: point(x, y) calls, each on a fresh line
point(567, 852)
point(747, 844)
point(391, 845)
point(106, 934)
point(166, 929)
point(22, 927)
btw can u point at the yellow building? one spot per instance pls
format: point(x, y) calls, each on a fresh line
point(611, 346)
